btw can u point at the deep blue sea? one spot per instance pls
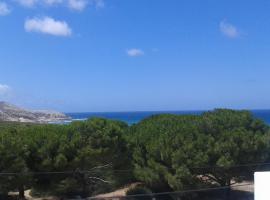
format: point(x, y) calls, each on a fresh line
point(135, 117)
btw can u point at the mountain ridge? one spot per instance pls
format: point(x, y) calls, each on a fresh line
point(12, 113)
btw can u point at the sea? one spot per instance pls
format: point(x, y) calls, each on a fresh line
point(135, 117)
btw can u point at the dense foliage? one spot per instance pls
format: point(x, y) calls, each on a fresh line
point(163, 152)
point(86, 152)
point(178, 152)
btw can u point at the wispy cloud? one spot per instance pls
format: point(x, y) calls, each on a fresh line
point(32, 3)
point(98, 3)
point(72, 4)
point(28, 3)
point(4, 9)
point(47, 25)
point(52, 2)
point(228, 29)
point(4, 90)
point(135, 52)
point(82, 4)
point(155, 50)
point(77, 4)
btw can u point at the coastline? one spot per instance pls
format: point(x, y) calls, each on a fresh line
point(134, 117)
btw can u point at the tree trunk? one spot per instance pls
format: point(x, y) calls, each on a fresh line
point(21, 192)
point(228, 190)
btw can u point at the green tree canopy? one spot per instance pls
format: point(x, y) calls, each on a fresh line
point(177, 152)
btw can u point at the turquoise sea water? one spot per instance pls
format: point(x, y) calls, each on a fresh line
point(135, 117)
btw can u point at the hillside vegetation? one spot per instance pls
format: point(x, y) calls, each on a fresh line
point(163, 152)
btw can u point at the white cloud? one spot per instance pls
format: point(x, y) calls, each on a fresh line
point(135, 52)
point(77, 4)
point(4, 89)
point(4, 9)
point(228, 30)
point(47, 25)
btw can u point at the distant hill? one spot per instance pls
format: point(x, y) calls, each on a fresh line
point(12, 113)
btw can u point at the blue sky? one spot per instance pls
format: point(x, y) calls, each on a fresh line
point(127, 55)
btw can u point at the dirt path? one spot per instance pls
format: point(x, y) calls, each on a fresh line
point(119, 192)
point(245, 186)
point(29, 197)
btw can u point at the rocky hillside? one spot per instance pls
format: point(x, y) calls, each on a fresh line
point(12, 113)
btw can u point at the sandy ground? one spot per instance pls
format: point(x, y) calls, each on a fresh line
point(117, 193)
point(244, 186)
point(29, 197)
